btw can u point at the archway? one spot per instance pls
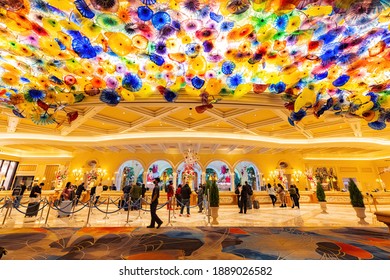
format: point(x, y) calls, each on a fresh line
point(246, 171)
point(130, 172)
point(159, 169)
point(219, 171)
point(194, 178)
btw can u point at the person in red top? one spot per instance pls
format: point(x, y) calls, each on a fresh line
point(170, 193)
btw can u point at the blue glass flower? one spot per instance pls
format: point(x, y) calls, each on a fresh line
point(83, 9)
point(132, 82)
point(176, 24)
point(281, 22)
point(169, 95)
point(277, 88)
point(160, 19)
point(297, 116)
point(321, 76)
point(377, 125)
point(110, 97)
point(197, 82)
point(82, 46)
point(157, 59)
point(215, 17)
point(234, 80)
point(228, 67)
point(34, 95)
point(226, 26)
point(340, 81)
point(144, 13)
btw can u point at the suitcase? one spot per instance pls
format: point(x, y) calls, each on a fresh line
point(32, 209)
point(65, 208)
point(256, 204)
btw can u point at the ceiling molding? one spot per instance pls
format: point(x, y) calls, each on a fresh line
point(89, 113)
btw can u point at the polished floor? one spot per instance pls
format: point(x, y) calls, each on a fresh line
point(268, 233)
point(309, 215)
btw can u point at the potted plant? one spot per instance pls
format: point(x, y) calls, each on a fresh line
point(321, 197)
point(214, 201)
point(357, 201)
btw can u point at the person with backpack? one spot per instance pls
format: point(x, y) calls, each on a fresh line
point(294, 194)
point(185, 199)
point(282, 195)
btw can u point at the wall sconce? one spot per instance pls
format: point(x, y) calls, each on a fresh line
point(380, 182)
point(77, 173)
point(274, 174)
point(36, 179)
point(101, 172)
point(44, 178)
point(297, 174)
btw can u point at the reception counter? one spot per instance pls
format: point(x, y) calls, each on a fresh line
point(230, 198)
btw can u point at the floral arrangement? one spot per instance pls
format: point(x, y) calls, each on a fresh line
point(189, 172)
point(92, 175)
point(62, 174)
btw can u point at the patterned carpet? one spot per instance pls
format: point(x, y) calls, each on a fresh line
point(202, 243)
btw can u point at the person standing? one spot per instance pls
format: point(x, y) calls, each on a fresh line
point(272, 194)
point(249, 203)
point(200, 192)
point(135, 194)
point(238, 193)
point(185, 199)
point(294, 194)
point(178, 196)
point(98, 192)
point(36, 191)
point(79, 191)
point(153, 205)
point(282, 195)
point(170, 192)
point(246, 191)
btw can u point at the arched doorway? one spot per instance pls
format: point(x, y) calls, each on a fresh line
point(130, 172)
point(159, 169)
point(246, 171)
point(192, 177)
point(219, 171)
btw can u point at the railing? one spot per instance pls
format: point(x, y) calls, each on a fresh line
point(45, 205)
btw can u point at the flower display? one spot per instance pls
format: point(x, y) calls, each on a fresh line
point(62, 174)
point(318, 56)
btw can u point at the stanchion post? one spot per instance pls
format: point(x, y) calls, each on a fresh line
point(6, 213)
point(140, 208)
point(108, 203)
point(87, 224)
point(368, 201)
point(207, 212)
point(128, 211)
point(174, 203)
point(48, 213)
point(41, 217)
point(169, 213)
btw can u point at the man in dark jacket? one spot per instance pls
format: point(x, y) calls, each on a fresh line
point(185, 199)
point(79, 191)
point(246, 191)
point(153, 205)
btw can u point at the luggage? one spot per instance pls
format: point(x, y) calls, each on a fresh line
point(256, 204)
point(65, 208)
point(32, 209)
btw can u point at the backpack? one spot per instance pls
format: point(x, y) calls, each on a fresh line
point(292, 191)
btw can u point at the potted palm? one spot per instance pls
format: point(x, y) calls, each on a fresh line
point(214, 201)
point(357, 201)
point(321, 197)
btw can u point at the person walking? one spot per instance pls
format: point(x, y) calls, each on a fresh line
point(272, 194)
point(153, 205)
point(185, 199)
point(238, 193)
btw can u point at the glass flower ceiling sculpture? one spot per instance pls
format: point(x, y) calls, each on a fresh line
point(325, 55)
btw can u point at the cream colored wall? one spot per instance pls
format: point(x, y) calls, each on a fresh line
point(265, 163)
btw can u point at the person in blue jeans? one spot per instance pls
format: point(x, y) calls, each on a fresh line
point(185, 199)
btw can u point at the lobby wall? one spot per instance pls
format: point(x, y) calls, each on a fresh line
point(365, 172)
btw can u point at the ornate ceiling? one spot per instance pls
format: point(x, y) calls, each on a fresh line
point(228, 76)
